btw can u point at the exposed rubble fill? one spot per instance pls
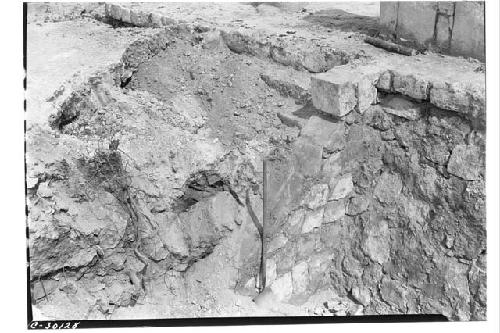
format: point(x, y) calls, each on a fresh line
point(142, 188)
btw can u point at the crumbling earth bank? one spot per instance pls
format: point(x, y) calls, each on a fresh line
point(137, 192)
point(130, 186)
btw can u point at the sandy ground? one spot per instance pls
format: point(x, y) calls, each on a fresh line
point(62, 51)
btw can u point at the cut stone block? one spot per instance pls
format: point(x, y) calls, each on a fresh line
point(459, 97)
point(385, 81)
point(138, 18)
point(155, 20)
point(125, 15)
point(115, 12)
point(344, 89)
point(410, 85)
point(366, 91)
point(334, 93)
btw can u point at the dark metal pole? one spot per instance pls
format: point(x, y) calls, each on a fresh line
point(264, 222)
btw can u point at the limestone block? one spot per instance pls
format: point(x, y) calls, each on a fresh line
point(155, 20)
point(411, 85)
point(139, 18)
point(115, 12)
point(125, 15)
point(459, 97)
point(366, 91)
point(334, 93)
point(385, 81)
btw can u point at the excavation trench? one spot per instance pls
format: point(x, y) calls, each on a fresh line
point(358, 205)
point(189, 120)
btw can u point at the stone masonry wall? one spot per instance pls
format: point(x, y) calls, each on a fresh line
point(455, 28)
point(381, 198)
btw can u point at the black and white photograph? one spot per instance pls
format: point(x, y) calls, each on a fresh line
point(269, 162)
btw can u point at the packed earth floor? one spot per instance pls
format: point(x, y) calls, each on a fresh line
point(147, 127)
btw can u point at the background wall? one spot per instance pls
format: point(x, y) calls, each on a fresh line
point(456, 28)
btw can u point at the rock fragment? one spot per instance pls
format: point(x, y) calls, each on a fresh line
point(312, 220)
point(465, 162)
point(341, 188)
